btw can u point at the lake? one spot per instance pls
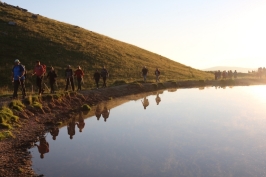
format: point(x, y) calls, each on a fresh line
point(185, 132)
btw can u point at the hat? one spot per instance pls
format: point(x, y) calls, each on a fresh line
point(17, 61)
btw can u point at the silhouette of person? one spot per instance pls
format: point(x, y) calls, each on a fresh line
point(71, 128)
point(105, 113)
point(98, 112)
point(54, 132)
point(145, 102)
point(43, 147)
point(81, 123)
point(158, 99)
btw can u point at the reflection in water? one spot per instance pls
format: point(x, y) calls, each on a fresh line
point(158, 99)
point(71, 128)
point(98, 111)
point(223, 137)
point(81, 123)
point(54, 132)
point(105, 112)
point(43, 147)
point(145, 102)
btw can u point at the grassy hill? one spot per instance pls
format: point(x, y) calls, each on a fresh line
point(59, 44)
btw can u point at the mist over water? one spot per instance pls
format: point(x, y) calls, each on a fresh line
point(184, 132)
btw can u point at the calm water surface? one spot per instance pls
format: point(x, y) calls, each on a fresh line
point(190, 132)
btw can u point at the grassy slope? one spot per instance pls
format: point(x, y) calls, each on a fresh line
point(58, 44)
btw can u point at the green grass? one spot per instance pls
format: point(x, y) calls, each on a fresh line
point(7, 118)
point(59, 44)
point(5, 135)
point(17, 105)
point(85, 107)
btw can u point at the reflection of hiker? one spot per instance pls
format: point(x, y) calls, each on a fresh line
point(18, 78)
point(39, 71)
point(157, 74)
point(104, 74)
point(51, 75)
point(54, 132)
point(71, 128)
point(157, 99)
point(98, 112)
point(145, 102)
point(105, 113)
point(96, 77)
point(81, 123)
point(69, 78)
point(144, 73)
point(79, 74)
point(43, 147)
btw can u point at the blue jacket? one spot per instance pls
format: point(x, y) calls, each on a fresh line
point(17, 72)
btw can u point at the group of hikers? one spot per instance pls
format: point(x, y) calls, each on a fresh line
point(19, 76)
point(145, 73)
point(225, 74)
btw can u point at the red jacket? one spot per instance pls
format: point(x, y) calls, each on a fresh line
point(79, 73)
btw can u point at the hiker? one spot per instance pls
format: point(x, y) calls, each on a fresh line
point(145, 102)
point(157, 74)
point(39, 71)
point(104, 74)
point(52, 78)
point(18, 79)
point(97, 77)
point(79, 74)
point(105, 113)
point(71, 128)
point(69, 78)
point(235, 74)
point(43, 147)
point(54, 132)
point(81, 123)
point(144, 73)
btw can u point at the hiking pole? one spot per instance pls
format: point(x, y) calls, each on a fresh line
point(46, 86)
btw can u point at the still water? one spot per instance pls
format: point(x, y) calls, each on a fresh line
point(185, 132)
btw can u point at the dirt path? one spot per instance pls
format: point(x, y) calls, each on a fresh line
point(15, 159)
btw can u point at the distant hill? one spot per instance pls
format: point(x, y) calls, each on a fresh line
point(222, 68)
point(34, 37)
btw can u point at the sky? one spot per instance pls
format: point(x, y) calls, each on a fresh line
point(197, 33)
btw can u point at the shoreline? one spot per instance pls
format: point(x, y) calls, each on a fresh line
point(15, 159)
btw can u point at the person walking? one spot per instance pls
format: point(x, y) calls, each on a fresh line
point(144, 73)
point(39, 71)
point(18, 79)
point(52, 78)
point(69, 78)
point(157, 74)
point(97, 77)
point(79, 74)
point(104, 74)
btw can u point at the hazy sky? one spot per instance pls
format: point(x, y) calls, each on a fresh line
point(197, 33)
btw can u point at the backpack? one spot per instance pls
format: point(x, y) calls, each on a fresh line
point(44, 68)
point(25, 71)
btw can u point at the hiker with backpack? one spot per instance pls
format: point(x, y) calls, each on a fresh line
point(69, 78)
point(18, 79)
point(104, 74)
point(79, 74)
point(157, 74)
point(51, 75)
point(39, 71)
